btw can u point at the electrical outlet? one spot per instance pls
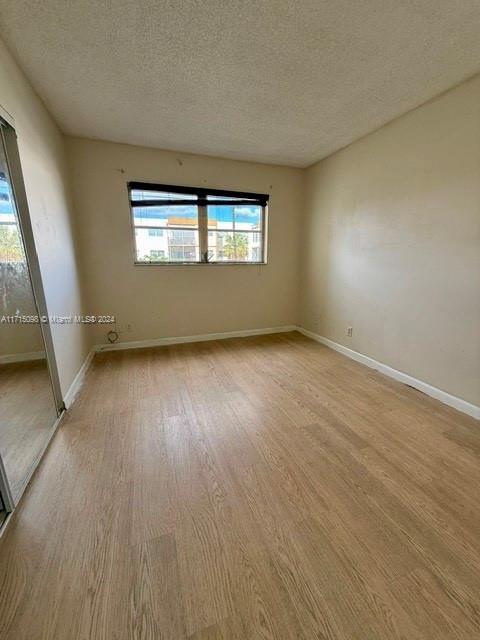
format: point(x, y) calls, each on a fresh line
point(349, 332)
point(129, 328)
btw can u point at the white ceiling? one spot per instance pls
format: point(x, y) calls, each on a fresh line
point(281, 81)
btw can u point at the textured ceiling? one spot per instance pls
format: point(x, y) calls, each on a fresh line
point(278, 81)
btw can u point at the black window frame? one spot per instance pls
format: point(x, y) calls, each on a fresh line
point(203, 194)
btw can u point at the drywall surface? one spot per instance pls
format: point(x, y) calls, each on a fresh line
point(42, 155)
point(392, 244)
point(166, 301)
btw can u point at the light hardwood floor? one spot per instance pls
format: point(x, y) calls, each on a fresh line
point(251, 488)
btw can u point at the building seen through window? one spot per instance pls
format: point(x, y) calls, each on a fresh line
point(171, 226)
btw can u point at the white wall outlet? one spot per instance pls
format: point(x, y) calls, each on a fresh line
point(129, 328)
point(350, 331)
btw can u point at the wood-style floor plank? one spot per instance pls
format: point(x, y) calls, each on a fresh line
point(264, 487)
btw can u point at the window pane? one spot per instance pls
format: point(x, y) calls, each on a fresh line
point(7, 212)
point(183, 245)
point(234, 246)
point(11, 247)
point(151, 248)
point(241, 217)
point(177, 216)
point(156, 232)
point(172, 245)
point(137, 194)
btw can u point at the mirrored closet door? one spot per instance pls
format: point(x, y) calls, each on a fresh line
point(29, 408)
point(3, 512)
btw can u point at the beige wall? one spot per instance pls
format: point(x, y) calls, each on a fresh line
point(392, 244)
point(42, 155)
point(165, 301)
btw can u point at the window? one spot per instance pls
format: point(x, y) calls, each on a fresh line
point(11, 246)
point(189, 225)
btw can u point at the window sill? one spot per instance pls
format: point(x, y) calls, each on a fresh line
point(199, 264)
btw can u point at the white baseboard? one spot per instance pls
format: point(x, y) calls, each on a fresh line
point(78, 380)
point(158, 342)
point(22, 357)
point(434, 392)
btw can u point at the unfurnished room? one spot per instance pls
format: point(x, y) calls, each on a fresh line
point(239, 320)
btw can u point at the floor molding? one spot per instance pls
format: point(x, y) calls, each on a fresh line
point(78, 380)
point(22, 357)
point(158, 342)
point(434, 392)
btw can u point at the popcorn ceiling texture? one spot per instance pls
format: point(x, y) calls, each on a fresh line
point(274, 81)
